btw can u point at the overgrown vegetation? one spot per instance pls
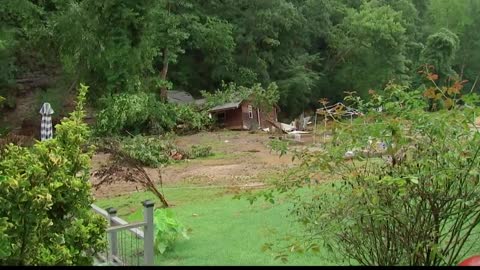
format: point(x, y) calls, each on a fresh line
point(144, 113)
point(417, 205)
point(153, 151)
point(125, 168)
point(167, 230)
point(130, 155)
point(199, 151)
point(310, 48)
point(46, 218)
point(263, 98)
point(408, 190)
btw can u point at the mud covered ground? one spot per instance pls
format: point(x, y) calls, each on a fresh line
point(240, 159)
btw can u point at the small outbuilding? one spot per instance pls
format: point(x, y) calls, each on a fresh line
point(243, 115)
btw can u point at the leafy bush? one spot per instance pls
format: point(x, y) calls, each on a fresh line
point(143, 113)
point(418, 205)
point(440, 96)
point(279, 146)
point(139, 112)
point(45, 198)
point(394, 99)
point(167, 230)
point(152, 151)
point(399, 99)
point(149, 151)
point(199, 151)
point(188, 119)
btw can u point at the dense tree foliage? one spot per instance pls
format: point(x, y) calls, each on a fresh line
point(309, 48)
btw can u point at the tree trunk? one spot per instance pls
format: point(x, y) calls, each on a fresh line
point(163, 75)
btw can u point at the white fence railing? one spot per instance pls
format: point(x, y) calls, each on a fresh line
point(126, 241)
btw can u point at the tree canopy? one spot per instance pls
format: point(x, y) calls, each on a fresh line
point(309, 48)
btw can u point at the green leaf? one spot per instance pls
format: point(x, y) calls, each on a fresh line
point(414, 180)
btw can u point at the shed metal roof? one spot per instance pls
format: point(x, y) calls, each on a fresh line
point(226, 106)
point(179, 97)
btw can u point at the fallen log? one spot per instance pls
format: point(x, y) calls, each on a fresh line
point(277, 125)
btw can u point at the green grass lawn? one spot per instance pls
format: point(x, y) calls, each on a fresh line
point(224, 231)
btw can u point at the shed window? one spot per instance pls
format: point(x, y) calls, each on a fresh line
point(250, 111)
point(221, 117)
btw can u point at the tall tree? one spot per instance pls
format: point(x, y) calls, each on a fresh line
point(461, 18)
point(311, 48)
point(370, 47)
point(440, 52)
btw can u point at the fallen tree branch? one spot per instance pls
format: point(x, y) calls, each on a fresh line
point(124, 168)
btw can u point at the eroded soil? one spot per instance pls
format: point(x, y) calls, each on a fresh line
point(241, 159)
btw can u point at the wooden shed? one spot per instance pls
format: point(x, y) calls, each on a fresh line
point(242, 115)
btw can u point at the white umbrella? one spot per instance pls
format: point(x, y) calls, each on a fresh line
point(46, 131)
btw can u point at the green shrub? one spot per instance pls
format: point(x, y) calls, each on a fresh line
point(155, 151)
point(135, 113)
point(45, 198)
point(279, 146)
point(418, 205)
point(149, 151)
point(167, 230)
point(199, 151)
point(393, 99)
point(142, 113)
point(188, 119)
